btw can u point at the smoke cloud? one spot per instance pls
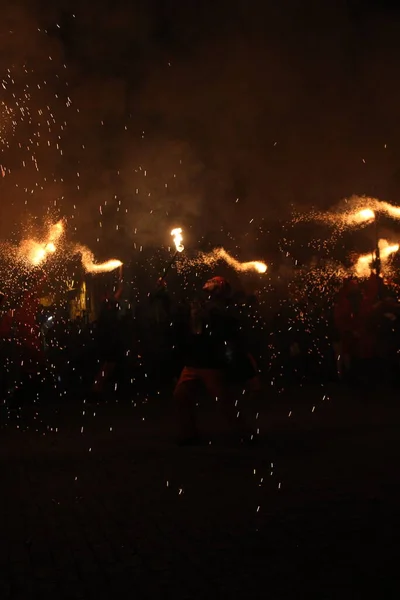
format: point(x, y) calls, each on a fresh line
point(215, 116)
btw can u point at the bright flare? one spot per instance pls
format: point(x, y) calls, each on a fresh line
point(363, 265)
point(362, 216)
point(387, 249)
point(253, 265)
point(35, 252)
point(91, 266)
point(368, 213)
point(31, 252)
point(178, 239)
point(221, 254)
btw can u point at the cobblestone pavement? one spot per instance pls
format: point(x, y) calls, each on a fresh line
point(104, 505)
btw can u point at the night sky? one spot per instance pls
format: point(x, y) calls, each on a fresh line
point(179, 108)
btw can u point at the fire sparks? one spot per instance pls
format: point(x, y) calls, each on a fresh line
point(178, 239)
point(357, 211)
point(55, 232)
point(33, 252)
point(363, 265)
point(367, 209)
point(253, 265)
point(218, 254)
point(91, 266)
point(7, 123)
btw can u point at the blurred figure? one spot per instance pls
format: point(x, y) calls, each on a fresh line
point(6, 320)
point(347, 319)
point(161, 302)
point(208, 338)
point(27, 329)
point(108, 340)
point(379, 338)
point(20, 330)
point(157, 337)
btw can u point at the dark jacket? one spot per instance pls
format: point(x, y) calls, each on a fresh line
point(208, 336)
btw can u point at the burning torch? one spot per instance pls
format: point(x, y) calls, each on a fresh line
point(179, 247)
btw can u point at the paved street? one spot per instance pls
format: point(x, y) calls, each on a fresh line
point(104, 505)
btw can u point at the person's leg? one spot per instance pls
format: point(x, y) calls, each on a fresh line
point(184, 397)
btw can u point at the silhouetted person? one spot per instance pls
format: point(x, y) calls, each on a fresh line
point(208, 337)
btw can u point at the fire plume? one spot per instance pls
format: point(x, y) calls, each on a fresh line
point(90, 266)
point(34, 252)
point(221, 254)
point(359, 217)
point(178, 239)
point(368, 210)
point(363, 265)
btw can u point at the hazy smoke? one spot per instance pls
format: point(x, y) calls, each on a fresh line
point(179, 109)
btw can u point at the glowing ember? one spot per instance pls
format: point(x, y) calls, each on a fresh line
point(178, 239)
point(91, 266)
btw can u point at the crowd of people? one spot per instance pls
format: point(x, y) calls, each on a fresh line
point(217, 341)
point(366, 318)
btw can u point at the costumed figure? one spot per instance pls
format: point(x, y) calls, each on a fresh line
point(209, 341)
point(348, 324)
point(108, 339)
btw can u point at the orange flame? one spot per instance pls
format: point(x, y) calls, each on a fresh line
point(361, 216)
point(371, 207)
point(363, 265)
point(178, 239)
point(35, 252)
point(389, 209)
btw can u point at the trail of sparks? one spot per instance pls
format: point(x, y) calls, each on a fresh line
point(90, 265)
point(211, 258)
point(33, 252)
point(7, 123)
point(362, 211)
